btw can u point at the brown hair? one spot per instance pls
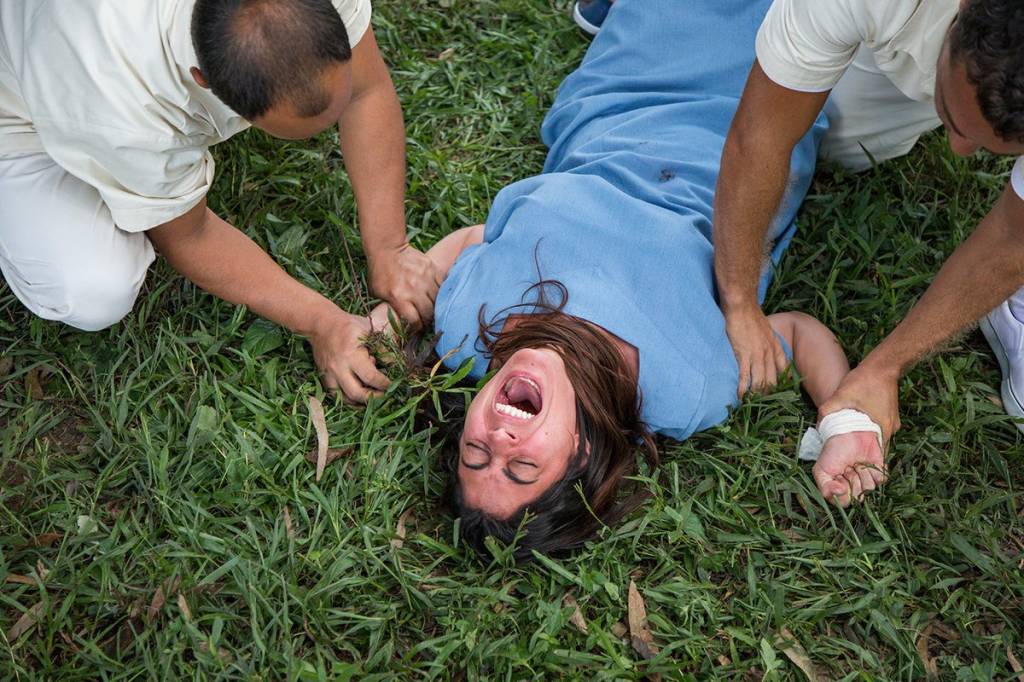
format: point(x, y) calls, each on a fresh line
point(608, 420)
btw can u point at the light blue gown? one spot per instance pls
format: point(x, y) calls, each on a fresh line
point(621, 214)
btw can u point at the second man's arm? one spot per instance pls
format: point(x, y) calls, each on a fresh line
point(372, 136)
point(769, 122)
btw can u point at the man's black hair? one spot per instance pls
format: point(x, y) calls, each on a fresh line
point(256, 54)
point(988, 37)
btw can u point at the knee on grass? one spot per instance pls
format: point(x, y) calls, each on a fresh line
point(98, 297)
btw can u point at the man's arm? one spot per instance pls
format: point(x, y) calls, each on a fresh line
point(981, 274)
point(225, 262)
point(372, 137)
point(768, 124)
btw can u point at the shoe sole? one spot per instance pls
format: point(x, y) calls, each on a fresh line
point(1011, 404)
point(587, 27)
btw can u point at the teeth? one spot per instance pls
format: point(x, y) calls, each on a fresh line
point(531, 382)
point(513, 411)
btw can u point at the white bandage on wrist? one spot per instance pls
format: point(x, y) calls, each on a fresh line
point(835, 424)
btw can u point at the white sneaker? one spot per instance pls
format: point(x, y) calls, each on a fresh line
point(1004, 331)
point(590, 14)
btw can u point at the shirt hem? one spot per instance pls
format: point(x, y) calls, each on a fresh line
point(144, 219)
point(782, 73)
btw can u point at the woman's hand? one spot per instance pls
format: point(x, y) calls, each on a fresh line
point(343, 359)
point(850, 465)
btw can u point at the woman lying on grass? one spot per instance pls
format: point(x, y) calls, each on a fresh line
point(623, 337)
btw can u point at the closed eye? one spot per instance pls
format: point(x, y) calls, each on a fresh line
point(476, 451)
point(519, 464)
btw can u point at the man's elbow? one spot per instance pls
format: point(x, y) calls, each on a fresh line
point(184, 229)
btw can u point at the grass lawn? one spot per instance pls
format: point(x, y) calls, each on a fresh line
point(159, 518)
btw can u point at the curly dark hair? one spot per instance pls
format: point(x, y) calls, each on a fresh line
point(988, 37)
point(611, 431)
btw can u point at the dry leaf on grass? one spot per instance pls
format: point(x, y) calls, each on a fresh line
point(223, 654)
point(27, 621)
point(316, 415)
point(156, 604)
point(41, 570)
point(795, 652)
point(930, 667)
point(34, 384)
point(183, 605)
point(1015, 664)
point(169, 586)
point(332, 454)
point(70, 642)
point(19, 579)
point(136, 608)
point(399, 539)
point(577, 616)
point(6, 365)
point(289, 531)
point(619, 630)
point(943, 631)
point(46, 540)
point(639, 634)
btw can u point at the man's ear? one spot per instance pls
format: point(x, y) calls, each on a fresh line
point(197, 75)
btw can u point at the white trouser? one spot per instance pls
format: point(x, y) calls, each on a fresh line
point(866, 109)
point(60, 251)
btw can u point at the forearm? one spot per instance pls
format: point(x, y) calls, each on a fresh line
point(983, 271)
point(769, 122)
point(225, 262)
point(372, 135)
point(748, 193)
point(817, 356)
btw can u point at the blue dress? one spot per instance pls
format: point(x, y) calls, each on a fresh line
point(621, 214)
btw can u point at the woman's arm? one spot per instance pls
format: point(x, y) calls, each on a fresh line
point(445, 252)
point(851, 464)
point(817, 355)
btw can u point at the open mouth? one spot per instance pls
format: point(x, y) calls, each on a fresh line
point(519, 398)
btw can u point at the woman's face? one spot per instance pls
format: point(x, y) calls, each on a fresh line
point(520, 433)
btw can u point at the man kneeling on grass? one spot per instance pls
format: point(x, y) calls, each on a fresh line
point(107, 111)
point(885, 72)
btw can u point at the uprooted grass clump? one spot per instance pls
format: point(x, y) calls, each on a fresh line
point(159, 519)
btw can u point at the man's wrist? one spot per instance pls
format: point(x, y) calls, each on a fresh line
point(326, 319)
point(383, 235)
point(732, 304)
point(881, 365)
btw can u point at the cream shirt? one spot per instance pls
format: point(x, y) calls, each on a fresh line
point(103, 87)
point(807, 45)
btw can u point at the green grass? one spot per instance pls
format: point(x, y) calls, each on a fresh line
point(168, 450)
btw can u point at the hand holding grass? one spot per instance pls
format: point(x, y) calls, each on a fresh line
point(850, 465)
point(344, 361)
